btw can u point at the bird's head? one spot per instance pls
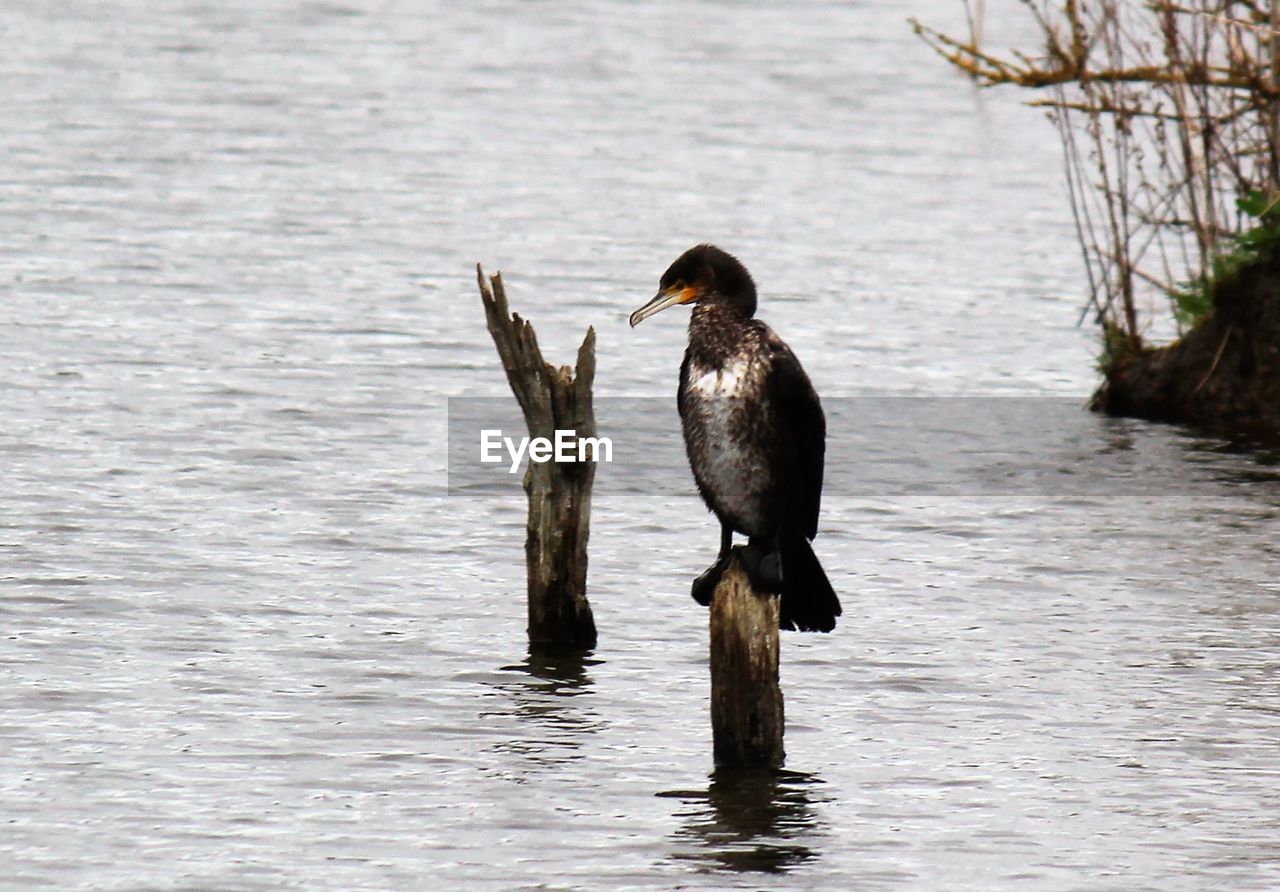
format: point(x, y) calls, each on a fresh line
point(702, 273)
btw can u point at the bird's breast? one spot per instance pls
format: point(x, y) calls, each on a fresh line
point(725, 409)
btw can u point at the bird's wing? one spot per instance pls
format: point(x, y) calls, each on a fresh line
point(802, 427)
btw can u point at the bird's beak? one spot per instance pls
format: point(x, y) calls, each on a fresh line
point(680, 294)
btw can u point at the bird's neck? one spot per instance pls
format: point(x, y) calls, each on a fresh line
point(717, 330)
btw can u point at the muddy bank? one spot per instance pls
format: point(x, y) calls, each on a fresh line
point(1224, 374)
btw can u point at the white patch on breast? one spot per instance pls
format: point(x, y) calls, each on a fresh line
point(724, 382)
point(727, 472)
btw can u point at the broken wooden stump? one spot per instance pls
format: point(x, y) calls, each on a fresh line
point(559, 493)
point(746, 701)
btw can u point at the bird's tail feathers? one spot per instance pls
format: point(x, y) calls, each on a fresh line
point(809, 604)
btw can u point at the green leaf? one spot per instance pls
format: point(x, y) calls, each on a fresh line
point(1192, 303)
point(1252, 203)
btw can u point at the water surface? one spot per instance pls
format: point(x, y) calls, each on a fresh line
point(250, 640)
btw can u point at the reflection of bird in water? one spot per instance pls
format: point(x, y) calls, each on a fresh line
point(752, 821)
point(755, 435)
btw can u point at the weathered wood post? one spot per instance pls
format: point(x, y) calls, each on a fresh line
point(559, 494)
point(746, 701)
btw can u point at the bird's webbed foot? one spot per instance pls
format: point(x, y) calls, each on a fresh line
point(763, 567)
point(705, 585)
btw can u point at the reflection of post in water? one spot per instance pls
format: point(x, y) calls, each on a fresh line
point(546, 691)
point(751, 820)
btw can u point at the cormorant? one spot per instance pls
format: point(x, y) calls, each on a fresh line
point(754, 433)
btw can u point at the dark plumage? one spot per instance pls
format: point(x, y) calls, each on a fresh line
point(754, 433)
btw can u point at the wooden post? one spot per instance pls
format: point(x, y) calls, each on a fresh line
point(746, 702)
point(559, 494)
